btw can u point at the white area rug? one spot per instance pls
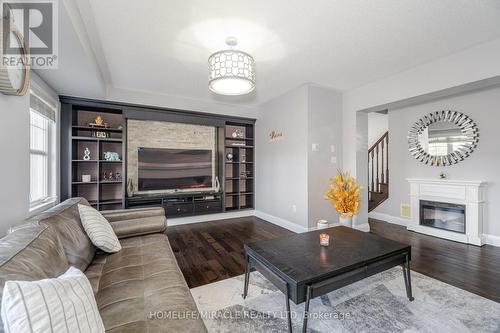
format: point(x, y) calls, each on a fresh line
point(375, 304)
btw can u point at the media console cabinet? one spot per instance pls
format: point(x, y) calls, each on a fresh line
point(106, 188)
point(180, 204)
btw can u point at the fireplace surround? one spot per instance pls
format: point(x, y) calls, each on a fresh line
point(450, 209)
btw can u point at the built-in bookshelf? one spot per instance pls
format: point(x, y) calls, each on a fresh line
point(234, 135)
point(105, 188)
point(239, 160)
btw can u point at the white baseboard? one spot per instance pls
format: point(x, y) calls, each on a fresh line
point(362, 227)
point(492, 240)
point(389, 218)
point(281, 222)
point(208, 217)
point(330, 225)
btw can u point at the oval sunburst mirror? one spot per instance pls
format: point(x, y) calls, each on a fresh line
point(443, 138)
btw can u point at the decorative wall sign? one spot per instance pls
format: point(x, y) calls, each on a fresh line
point(443, 138)
point(275, 136)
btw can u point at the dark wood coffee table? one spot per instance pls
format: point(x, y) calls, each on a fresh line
point(303, 269)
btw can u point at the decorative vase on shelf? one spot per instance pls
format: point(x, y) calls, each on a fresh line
point(86, 154)
point(130, 188)
point(345, 220)
point(217, 184)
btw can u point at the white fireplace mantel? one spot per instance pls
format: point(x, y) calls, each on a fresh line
point(472, 194)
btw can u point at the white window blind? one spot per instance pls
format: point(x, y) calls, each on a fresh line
point(42, 125)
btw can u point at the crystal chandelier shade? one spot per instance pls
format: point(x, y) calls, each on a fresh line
point(231, 72)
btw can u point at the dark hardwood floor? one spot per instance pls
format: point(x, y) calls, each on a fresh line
point(472, 268)
point(213, 251)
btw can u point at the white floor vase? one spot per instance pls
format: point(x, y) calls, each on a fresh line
point(345, 221)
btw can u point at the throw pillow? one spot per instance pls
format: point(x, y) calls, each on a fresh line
point(98, 229)
point(62, 304)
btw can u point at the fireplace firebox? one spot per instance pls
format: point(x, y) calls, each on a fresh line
point(441, 215)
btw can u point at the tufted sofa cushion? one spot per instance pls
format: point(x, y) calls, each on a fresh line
point(136, 287)
point(65, 219)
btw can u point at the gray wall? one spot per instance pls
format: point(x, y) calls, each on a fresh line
point(361, 149)
point(15, 162)
point(289, 173)
point(378, 124)
point(483, 164)
point(15, 158)
point(324, 129)
point(281, 166)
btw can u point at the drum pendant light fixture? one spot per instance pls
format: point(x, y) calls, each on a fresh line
point(231, 72)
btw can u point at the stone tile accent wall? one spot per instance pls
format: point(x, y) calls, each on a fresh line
point(161, 134)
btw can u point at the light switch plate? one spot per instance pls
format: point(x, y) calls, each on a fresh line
point(333, 159)
point(315, 147)
point(332, 149)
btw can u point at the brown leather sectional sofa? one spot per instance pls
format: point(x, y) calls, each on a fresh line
point(139, 289)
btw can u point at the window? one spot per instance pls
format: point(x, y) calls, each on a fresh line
point(438, 149)
point(42, 152)
point(458, 145)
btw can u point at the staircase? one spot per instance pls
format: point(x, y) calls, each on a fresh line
point(378, 172)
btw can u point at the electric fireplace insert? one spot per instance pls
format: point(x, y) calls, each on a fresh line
point(441, 215)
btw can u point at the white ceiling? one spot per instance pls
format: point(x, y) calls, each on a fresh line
point(78, 73)
point(162, 46)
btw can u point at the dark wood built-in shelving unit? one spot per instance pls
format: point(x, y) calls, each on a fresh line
point(103, 194)
point(236, 176)
point(239, 171)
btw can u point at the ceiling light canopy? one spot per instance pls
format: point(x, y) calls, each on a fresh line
point(231, 72)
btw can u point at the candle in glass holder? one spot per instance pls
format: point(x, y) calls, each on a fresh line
point(324, 239)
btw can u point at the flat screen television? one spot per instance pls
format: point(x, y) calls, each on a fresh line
point(174, 169)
